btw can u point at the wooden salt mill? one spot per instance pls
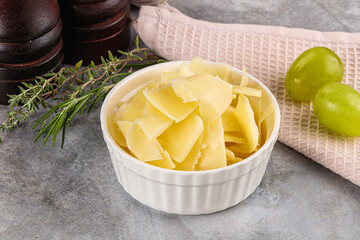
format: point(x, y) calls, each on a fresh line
point(30, 42)
point(93, 27)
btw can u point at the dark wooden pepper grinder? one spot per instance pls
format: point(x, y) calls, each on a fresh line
point(30, 42)
point(93, 27)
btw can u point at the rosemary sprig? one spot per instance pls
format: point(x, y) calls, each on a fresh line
point(71, 91)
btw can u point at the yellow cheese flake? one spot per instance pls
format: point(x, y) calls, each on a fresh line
point(244, 78)
point(154, 122)
point(248, 91)
point(266, 129)
point(235, 78)
point(185, 70)
point(249, 130)
point(192, 158)
point(233, 137)
point(200, 65)
point(124, 126)
point(256, 105)
point(267, 122)
point(211, 138)
point(231, 158)
point(234, 101)
point(212, 158)
point(229, 120)
point(144, 149)
point(133, 109)
point(166, 77)
point(154, 84)
point(235, 148)
point(117, 135)
point(165, 162)
point(196, 88)
point(267, 112)
point(121, 111)
point(166, 101)
point(180, 137)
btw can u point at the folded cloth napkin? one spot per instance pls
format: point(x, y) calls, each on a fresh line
point(266, 52)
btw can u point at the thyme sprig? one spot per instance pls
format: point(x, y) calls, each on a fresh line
point(70, 91)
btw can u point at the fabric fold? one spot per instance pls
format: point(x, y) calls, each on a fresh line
point(266, 52)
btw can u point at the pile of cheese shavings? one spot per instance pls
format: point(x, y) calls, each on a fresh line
point(197, 118)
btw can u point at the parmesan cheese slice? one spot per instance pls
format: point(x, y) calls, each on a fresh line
point(179, 138)
point(144, 149)
point(166, 77)
point(235, 148)
point(235, 78)
point(185, 70)
point(266, 130)
point(192, 158)
point(233, 137)
point(244, 78)
point(195, 88)
point(166, 101)
point(200, 65)
point(231, 158)
point(248, 91)
point(133, 109)
point(267, 112)
point(124, 127)
point(154, 122)
point(256, 105)
point(154, 84)
point(211, 138)
point(229, 120)
point(166, 162)
point(121, 112)
point(249, 130)
point(267, 122)
point(212, 158)
point(117, 135)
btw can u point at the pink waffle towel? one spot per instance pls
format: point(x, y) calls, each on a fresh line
point(267, 52)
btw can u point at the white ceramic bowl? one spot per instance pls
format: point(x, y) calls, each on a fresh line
point(184, 192)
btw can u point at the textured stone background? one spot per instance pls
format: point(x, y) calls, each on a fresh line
point(49, 193)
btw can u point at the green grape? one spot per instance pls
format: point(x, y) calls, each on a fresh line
point(337, 107)
point(310, 70)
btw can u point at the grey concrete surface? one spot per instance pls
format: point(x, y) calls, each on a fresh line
point(72, 193)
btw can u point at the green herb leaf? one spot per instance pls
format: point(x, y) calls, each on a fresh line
point(78, 65)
